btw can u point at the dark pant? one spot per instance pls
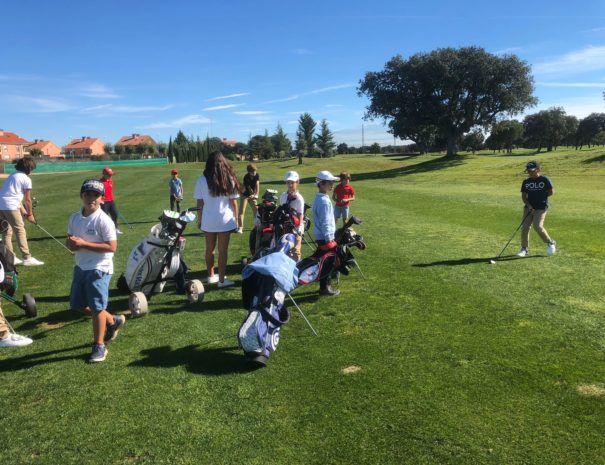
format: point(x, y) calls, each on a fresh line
point(173, 200)
point(111, 210)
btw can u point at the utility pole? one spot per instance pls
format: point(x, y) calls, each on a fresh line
point(362, 139)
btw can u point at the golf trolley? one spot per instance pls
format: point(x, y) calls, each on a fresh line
point(157, 259)
point(10, 283)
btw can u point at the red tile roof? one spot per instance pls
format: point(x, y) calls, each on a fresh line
point(135, 139)
point(11, 138)
point(38, 145)
point(230, 142)
point(81, 143)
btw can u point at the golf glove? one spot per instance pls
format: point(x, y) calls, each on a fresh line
point(328, 246)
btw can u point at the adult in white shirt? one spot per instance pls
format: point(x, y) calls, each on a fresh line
point(216, 192)
point(15, 204)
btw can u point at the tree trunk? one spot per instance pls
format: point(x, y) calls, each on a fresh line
point(452, 147)
point(300, 159)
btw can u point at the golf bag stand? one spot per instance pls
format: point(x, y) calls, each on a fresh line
point(157, 259)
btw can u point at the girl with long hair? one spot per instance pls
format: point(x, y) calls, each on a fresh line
point(216, 192)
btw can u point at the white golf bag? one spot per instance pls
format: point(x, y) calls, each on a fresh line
point(154, 260)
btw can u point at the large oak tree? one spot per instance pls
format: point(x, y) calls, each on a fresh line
point(451, 90)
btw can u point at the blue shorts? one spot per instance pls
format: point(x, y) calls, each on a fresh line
point(89, 288)
point(341, 212)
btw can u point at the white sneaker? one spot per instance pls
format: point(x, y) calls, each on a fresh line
point(118, 231)
point(213, 279)
point(240, 230)
point(523, 252)
point(31, 261)
point(551, 249)
point(226, 283)
point(15, 340)
point(18, 261)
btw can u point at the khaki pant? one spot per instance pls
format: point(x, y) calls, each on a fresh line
point(12, 219)
point(242, 208)
point(535, 219)
point(4, 330)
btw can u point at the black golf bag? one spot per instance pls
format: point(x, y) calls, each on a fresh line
point(10, 283)
point(322, 264)
point(264, 287)
point(262, 237)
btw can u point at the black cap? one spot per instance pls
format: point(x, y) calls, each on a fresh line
point(532, 165)
point(92, 185)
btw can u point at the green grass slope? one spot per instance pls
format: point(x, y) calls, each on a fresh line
point(436, 357)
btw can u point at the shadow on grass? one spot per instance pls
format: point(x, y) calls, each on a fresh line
point(205, 306)
point(216, 362)
point(598, 159)
point(41, 358)
point(470, 261)
point(423, 167)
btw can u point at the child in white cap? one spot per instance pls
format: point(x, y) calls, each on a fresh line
point(296, 203)
point(324, 226)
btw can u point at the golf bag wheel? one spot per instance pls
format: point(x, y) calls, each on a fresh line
point(29, 305)
point(137, 302)
point(244, 261)
point(195, 291)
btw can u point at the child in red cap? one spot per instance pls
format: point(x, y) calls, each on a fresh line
point(176, 191)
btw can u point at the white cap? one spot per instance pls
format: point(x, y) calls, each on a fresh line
point(291, 176)
point(326, 176)
point(1, 273)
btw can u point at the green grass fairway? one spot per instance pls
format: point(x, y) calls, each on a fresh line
point(437, 357)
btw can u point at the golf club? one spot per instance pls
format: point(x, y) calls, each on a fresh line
point(493, 260)
point(301, 312)
point(124, 220)
point(53, 237)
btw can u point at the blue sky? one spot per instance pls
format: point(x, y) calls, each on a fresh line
point(235, 68)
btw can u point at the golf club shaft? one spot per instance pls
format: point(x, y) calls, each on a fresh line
point(303, 315)
point(53, 237)
point(514, 234)
point(123, 219)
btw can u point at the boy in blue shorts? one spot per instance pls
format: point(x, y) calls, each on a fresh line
point(91, 234)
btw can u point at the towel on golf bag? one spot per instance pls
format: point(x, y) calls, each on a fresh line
point(277, 265)
point(259, 333)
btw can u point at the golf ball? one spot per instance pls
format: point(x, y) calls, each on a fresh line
point(492, 262)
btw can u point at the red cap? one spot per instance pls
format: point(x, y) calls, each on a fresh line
point(108, 171)
point(174, 172)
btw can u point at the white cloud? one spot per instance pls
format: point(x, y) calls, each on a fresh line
point(111, 109)
point(287, 99)
point(97, 91)
point(328, 89)
point(581, 61)
point(38, 105)
point(599, 85)
point(240, 94)
point(223, 107)
point(579, 107)
point(334, 105)
point(508, 50)
point(178, 123)
point(251, 113)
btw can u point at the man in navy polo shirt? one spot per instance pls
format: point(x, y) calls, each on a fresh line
point(535, 191)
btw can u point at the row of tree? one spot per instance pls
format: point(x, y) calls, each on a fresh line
point(260, 147)
point(547, 129)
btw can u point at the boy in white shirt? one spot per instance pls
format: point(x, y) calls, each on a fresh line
point(91, 234)
point(296, 203)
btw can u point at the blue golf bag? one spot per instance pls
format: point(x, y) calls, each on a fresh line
point(265, 284)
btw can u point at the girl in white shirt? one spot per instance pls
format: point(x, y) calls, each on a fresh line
point(216, 192)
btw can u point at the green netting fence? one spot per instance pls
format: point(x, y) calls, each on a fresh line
point(88, 165)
